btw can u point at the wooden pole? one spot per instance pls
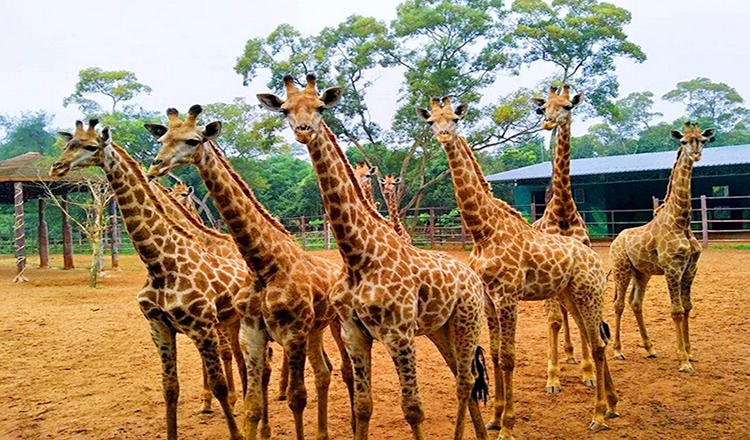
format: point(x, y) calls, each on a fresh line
point(655, 202)
point(19, 232)
point(303, 232)
point(533, 212)
point(114, 237)
point(43, 238)
point(431, 228)
point(704, 220)
point(67, 235)
point(326, 233)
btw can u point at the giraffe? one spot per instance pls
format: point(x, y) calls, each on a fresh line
point(561, 217)
point(184, 194)
point(664, 246)
point(289, 303)
point(390, 291)
point(390, 186)
point(188, 290)
point(516, 263)
point(363, 173)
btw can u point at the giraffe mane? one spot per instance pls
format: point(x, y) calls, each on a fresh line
point(143, 182)
point(248, 193)
point(189, 215)
point(669, 182)
point(352, 178)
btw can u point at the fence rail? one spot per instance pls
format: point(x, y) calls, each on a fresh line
point(715, 219)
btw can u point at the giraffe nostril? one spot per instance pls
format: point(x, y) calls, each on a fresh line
point(157, 162)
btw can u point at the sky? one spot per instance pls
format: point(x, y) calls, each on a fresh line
point(186, 50)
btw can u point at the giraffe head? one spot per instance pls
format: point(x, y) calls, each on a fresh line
point(692, 140)
point(303, 108)
point(182, 191)
point(180, 141)
point(364, 172)
point(556, 109)
point(82, 149)
point(443, 118)
point(389, 185)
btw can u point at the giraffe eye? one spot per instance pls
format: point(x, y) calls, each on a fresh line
point(284, 111)
point(683, 142)
point(321, 109)
point(193, 142)
point(539, 111)
point(90, 147)
point(568, 107)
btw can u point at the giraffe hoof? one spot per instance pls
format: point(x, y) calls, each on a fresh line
point(265, 432)
point(492, 426)
point(620, 357)
point(205, 410)
point(589, 383)
point(692, 359)
point(652, 355)
point(611, 415)
point(553, 390)
point(572, 360)
point(596, 427)
point(687, 369)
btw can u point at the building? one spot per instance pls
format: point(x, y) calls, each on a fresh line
point(618, 192)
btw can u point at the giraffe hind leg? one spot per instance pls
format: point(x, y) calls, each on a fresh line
point(640, 281)
point(623, 274)
point(554, 324)
point(164, 339)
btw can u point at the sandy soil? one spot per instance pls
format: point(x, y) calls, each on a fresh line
point(78, 363)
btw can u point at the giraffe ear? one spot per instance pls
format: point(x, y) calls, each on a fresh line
point(382, 181)
point(577, 99)
point(676, 134)
point(423, 114)
point(64, 135)
point(190, 190)
point(331, 96)
point(461, 110)
point(538, 101)
point(156, 130)
point(106, 136)
point(710, 133)
point(270, 101)
point(397, 181)
point(212, 130)
point(373, 170)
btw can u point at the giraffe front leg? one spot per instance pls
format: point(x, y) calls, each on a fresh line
point(322, 370)
point(687, 302)
point(640, 281)
point(164, 339)
point(678, 317)
point(254, 343)
point(296, 349)
point(493, 323)
point(284, 378)
point(554, 324)
point(622, 280)
point(206, 395)
point(567, 342)
point(359, 346)
point(225, 351)
point(402, 351)
point(346, 366)
point(508, 319)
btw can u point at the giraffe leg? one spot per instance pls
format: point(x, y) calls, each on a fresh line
point(296, 349)
point(254, 342)
point(402, 351)
point(587, 364)
point(359, 347)
point(164, 339)
point(321, 367)
point(346, 366)
point(284, 378)
point(567, 342)
point(508, 318)
point(493, 323)
point(208, 346)
point(225, 350)
point(206, 395)
point(640, 281)
point(623, 273)
point(265, 428)
point(687, 302)
point(674, 281)
point(233, 332)
point(554, 323)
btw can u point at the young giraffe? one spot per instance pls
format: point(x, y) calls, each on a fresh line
point(364, 173)
point(289, 303)
point(189, 290)
point(664, 246)
point(561, 217)
point(519, 263)
point(390, 290)
point(389, 185)
point(184, 194)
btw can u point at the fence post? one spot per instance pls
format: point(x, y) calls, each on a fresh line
point(654, 202)
point(704, 220)
point(43, 238)
point(303, 231)
point(326, 233)
point(18, 226)
point(463, 233)
point(431, 228)
point(67, 235)
point(114, 237)
point(533, 212)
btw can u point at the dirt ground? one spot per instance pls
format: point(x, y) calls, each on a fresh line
point(78, 363)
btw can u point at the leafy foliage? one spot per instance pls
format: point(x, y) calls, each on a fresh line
point(26, 133)
point(709, 102)
point(118, 85)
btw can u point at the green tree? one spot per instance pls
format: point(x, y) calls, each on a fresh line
point(118, 85)
point(581, 38)
point(709, 102)
point(26, 133)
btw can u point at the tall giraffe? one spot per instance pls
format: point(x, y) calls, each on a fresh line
point(390, 291)
point(519, 263)
point(289, 303)
point(664, 246)
point(364, 173)
point(561, 217)
point(389, 185)
point(188, 290)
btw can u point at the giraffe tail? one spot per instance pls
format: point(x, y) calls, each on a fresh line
point(481, 387)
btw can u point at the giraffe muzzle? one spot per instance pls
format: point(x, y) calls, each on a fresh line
point(59, 169)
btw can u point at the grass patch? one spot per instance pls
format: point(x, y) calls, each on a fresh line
point(737, 247)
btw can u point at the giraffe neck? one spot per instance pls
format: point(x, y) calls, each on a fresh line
point(562, 205)
point(479, 208)
point(155, 238)
point(261, 239)
point(356, 225)
point(394, 214)
point(678, 204)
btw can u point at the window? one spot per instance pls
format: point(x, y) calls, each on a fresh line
point(720, 191)
point(579, 195)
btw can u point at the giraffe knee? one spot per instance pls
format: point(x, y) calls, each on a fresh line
point(636, 306)
point(171, 392)
point(297, 399)
point(509, 362)
point(362, 409)
point(413, 413)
